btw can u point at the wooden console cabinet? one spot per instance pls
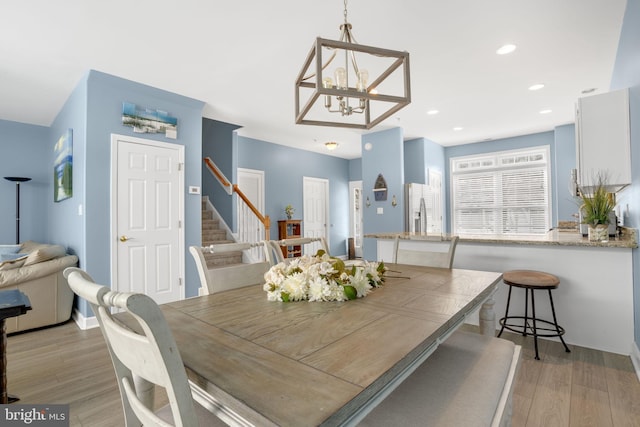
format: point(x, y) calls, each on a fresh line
point(290, 229)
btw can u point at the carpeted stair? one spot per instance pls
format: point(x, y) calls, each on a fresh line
point(212, 234)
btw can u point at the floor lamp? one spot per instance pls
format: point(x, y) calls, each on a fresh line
point(17, 180)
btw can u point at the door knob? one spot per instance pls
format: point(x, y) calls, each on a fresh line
point(123, 238)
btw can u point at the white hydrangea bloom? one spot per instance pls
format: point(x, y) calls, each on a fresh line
point(361, 283)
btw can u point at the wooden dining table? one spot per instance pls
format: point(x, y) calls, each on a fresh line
point(259, 362)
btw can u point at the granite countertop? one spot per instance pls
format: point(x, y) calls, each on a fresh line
point(556, 237)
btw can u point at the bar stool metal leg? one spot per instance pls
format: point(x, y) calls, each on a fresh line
point(526, 312)
point(506, 314)
point(555, 322)
point(535, 332)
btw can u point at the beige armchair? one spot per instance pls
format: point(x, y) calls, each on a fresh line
point(39, 275)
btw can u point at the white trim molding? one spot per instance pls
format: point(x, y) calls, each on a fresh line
point(635, 358)
point(84, 323)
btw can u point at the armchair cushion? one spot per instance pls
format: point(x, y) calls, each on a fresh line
point(9, 263)
point(45, 253)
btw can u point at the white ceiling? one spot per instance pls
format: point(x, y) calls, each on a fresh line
point(242, 58)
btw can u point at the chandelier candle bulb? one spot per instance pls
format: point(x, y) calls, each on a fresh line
point(328, 84)
point(341, 78)
point(363, 77)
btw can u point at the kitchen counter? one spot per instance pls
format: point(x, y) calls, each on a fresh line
point(594, 301)
point(556, 237)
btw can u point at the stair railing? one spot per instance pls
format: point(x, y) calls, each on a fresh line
point(248, 223)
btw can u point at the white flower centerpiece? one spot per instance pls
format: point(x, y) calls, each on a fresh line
point(321, 278)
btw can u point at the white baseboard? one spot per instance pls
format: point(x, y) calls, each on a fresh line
point(635, 358)
point(84, 322)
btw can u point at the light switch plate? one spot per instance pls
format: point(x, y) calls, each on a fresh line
point(380, 211)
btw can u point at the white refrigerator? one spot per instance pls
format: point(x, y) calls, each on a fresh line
point(423, 211)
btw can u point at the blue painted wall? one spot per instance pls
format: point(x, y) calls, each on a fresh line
point(218, 144)
point(284, 169)
point(385, 157)
point(24, 152)
point(355, 169)
point(565, 206)
point(415, 168)
point(94, 112)
point(626, 73)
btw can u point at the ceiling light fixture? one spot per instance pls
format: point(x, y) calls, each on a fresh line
point(432, 112)
point(547, 111)
point(458, 128)
point(362, 99)
point(507, 48)
point(536, 86)
point(331, 145)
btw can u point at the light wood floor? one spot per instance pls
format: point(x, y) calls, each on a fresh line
point(64, 364)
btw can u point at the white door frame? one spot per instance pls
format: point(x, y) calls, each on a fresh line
point(244, 219)
point(114, 204)
point(353, 185)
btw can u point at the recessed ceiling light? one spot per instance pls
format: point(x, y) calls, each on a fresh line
point(458, 128)
point(432, 112)
point(331, 145)
point(547, 111)
point(507, 48)
point(536, 86)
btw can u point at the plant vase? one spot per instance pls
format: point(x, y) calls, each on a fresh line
point(598, 233)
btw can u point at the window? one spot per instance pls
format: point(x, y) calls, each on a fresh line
point(501, 193)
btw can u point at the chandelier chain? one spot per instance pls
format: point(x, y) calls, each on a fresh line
point(345, 12)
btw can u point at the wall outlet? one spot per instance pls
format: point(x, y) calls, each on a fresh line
point(194, 190)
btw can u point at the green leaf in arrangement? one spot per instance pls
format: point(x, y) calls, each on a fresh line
point(350, 292)
point(285, 297)
point(339, 265)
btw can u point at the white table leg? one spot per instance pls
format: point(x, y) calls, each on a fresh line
point(488, 318)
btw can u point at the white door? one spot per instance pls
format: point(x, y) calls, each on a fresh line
point(316, 211)
point(251, 183)
point(147, 212)
point(355, 216)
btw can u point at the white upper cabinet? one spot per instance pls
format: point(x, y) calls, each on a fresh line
point(602, 139)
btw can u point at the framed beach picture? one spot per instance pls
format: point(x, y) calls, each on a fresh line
point(63, 167)
point(147, 120)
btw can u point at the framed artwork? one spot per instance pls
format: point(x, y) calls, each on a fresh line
point(63, 167)
point(147, 120)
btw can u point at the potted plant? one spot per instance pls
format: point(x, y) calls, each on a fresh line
point(596, 205)
point(288, 210)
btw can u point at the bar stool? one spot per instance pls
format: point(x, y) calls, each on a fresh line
point(530, 281)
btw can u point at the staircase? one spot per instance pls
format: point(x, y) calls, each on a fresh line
point(212, 234)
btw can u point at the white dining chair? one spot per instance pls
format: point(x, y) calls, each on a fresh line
point(442, 259)
point(142, 358)
point(219, 279)
point(274, 251)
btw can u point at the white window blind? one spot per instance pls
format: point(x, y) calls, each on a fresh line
point(501, 193)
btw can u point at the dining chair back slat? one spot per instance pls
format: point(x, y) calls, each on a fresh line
point(442, 259)
point(233, 276)
point(274, 251)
